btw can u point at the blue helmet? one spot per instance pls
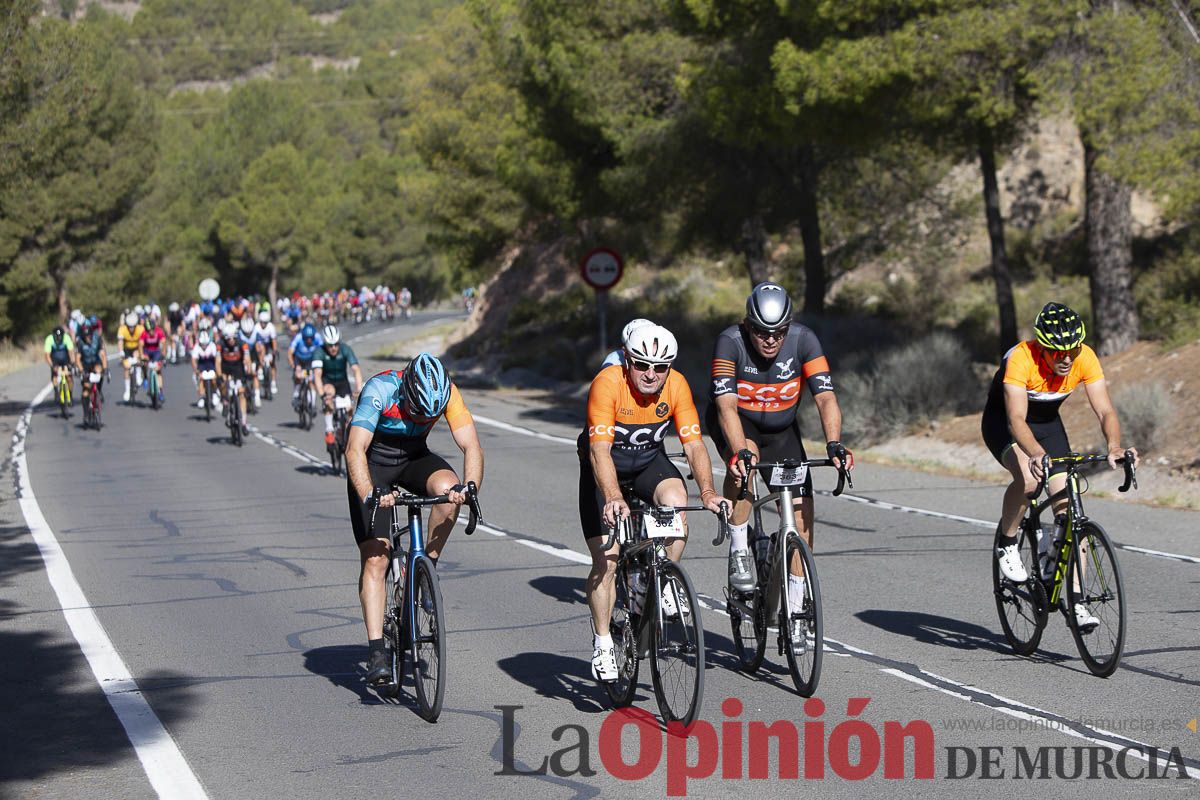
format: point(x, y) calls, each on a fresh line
point(425, 386)
point(308, 332)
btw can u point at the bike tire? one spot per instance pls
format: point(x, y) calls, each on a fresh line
point(97, 408)
point(429, 640)
point(1023, 608)
point(749, 631)
point(677, 649)
point(395, 633)
point(1102, 591)
point(623, 629)
point(153, 390)
point(208, 401)
point(806, 667)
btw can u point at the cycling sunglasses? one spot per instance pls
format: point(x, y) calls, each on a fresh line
point(768, 336)
point(643, 366)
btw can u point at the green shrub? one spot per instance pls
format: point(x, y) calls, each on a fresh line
point(1145, 411)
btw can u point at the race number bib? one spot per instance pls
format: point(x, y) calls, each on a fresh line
point(657, 528)
point(788, 476)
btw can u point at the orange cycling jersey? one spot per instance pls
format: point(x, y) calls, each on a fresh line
point(637, 425)
point(1026, 366)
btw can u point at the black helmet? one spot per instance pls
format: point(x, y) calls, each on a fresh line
point(58, 334)
point(768, 307)
point(1058, 327)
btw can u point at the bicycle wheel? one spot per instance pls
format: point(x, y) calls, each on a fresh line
point(153, 389)
point(1101, 592)
point(208, 401)
point(395, 634)
point(622, 627)
point(97, 406)
point(429, 640)
point(1023, 607)
point(677, 648)
point(804, 665)
point(749, 631)
point(63, 397)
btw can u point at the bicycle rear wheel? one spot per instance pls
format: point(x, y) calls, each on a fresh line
point(1023, 607)
point(624, 635)
point(429, 640)
point(677, 647)
point(1101, 592)
point(804, 665)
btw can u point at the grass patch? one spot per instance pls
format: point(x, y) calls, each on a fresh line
point(15, 357)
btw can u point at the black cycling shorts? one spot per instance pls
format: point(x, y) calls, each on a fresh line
point(1051, 435)
point(60, 358)
point(412, 474)
point(772, 445)
point(341, 388)
point(641, 483)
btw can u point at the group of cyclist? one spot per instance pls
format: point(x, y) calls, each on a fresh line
point(759, 370)
point(345, 305)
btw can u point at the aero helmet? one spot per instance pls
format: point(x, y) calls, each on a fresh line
point(1058, 327)
point(652, 343)
point(425, 386)
point(768, 307)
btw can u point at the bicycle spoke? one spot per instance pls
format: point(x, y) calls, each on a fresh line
point(1098, 589)
point(1022, 607)
point(804, 658)
point(677, 654)
point(429, 655)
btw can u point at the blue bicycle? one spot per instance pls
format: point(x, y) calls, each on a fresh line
point(414, 620)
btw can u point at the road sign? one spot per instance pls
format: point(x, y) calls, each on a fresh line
point(602, 268)
point(209, 289)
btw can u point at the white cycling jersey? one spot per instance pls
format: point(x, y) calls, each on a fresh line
point(265, 333)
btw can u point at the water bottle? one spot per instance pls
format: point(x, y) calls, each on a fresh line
point(1053, 545)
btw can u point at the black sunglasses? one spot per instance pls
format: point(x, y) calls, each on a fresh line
point(642, 366)
point(766, 336)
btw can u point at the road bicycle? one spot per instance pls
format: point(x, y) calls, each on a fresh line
point(656, 613)
point(154, 381)
point(306, 404)
point(136, 374)
point(63, 390)
point(799, 634)
point(414, 619)
point(341, 432)
point(208, 391)
point(93, 405)
point(1079, 567)
point(233, 410)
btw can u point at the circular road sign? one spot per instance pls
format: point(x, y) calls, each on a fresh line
point(209, 289)
point(602, 268)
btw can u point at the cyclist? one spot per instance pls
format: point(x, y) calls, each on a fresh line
point(331, 365)
point(468, 296)
point(1021, 423)
point(129, 334)
point(60, 355)
point(630, 410)
point(618, 356)
point(405, 302)
point(204, 359)
point(387, 445)
point(150, 349)
point(233, 364)
point(759, 369)
point(90, 356)
point(248, 337)
point(175, 316)
point(268, 341)
point(300, 356)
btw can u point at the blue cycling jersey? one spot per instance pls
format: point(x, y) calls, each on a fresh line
point(304, 352)
point(395, 434)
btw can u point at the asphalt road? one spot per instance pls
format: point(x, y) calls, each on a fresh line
point(225, 580)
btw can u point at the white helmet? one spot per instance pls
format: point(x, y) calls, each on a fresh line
point(652, 343)
point(264, 316)
point(631, 326)
point(204, 323)
point(331, 334)
point(173, 307)
point(204, 337)
point(139, 310)
point(131, 319)
point(247, 325)
point(77, 315)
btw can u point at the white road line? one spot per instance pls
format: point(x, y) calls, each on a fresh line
point(161, 758)
point(852, 498)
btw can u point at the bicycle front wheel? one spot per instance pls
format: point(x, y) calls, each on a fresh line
point(624, 635)
point(1097, 587)
point(429, 640)
point(803, 633)
point(749, 631)
point(1023, 607)
point(676, 646)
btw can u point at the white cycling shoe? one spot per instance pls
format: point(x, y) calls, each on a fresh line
point(670, 607)
point(604, 664)
point(1084, 620)
point(1010, 564)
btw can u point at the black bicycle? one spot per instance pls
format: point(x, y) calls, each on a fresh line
point(1078, 569)
point(233, 410)
point(414, 620)
point(341, 433)
point(799, 634)
point(656, 613)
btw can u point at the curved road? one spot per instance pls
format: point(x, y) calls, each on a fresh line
point(225, 580)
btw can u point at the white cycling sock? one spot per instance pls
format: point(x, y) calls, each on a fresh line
point(738, 536)
point(795, 593)
point(602, 642)
point(329, 423)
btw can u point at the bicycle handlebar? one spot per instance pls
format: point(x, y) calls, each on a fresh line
point(667, 512)
point(1125, 461)
point(843, 471)
point(415, 501)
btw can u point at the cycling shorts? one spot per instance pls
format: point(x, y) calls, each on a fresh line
point(640, 483)
point(60, 358)
point(412, 474)
point(1051, 435)
point(154, 355)
point(341, 388)
point(772, 445)
point(129, 353)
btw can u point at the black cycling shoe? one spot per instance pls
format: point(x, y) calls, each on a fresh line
point(379, 668)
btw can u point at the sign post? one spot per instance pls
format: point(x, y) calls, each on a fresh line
point(601, 269)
